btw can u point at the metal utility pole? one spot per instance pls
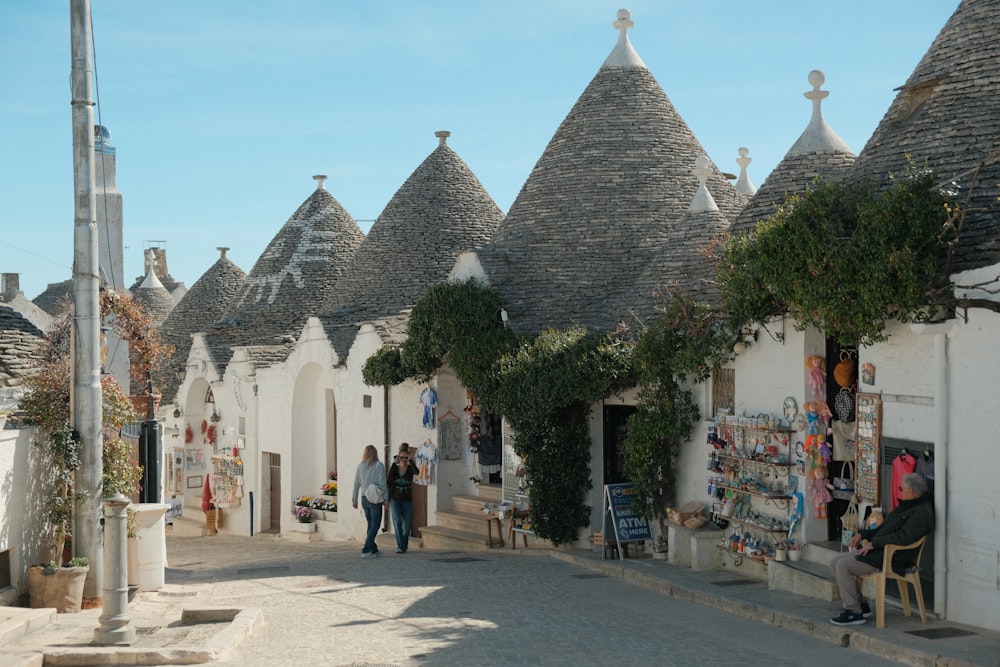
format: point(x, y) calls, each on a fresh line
point(87, 408)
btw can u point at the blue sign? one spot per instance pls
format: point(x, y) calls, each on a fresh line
point(628, 526)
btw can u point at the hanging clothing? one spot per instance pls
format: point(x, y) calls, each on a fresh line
point(902, 465)
point(426, 458)
point(429, 401)
point(925, 467)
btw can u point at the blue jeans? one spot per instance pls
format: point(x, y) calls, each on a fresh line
point(402, 515)
point(373, 513)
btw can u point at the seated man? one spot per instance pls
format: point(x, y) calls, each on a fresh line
point(912, 519)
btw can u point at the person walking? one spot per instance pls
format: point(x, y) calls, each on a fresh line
point(400, 483)
point(370, 475)
point(912, 519)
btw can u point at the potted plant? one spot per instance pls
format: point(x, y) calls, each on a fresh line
point(305, 520)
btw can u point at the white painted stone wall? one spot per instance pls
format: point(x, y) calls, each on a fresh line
point(20, 497)
point(967, 536)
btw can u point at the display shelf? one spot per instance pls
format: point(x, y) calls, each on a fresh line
point(744, 459)
point(740, 555)
point(749, 524)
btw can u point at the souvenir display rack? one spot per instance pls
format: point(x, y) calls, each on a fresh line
point(227, 480)
point(749, 465)
point(868, 413)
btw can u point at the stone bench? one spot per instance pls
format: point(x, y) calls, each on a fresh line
point(696, 548)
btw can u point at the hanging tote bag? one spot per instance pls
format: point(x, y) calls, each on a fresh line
point(843, 440)
point(843, 486)
point(849, 523)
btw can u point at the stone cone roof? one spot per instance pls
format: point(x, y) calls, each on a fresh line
point(154, 298)
point(156, 258)
point(204, 304)
point(818, 153)
point(683, 261)
point(948, 114)
point(440, 211)
point(20, 341)
point(293, 279)
point(56, 299)
point(599, 203)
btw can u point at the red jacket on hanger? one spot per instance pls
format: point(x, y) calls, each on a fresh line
point(902, 465)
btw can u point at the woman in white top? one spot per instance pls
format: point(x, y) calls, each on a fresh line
point(370, 472)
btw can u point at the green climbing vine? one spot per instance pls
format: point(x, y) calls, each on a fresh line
point(684, 346)
point(844, 258)
point(544, 387)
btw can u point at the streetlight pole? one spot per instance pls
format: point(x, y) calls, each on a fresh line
point(87, 408)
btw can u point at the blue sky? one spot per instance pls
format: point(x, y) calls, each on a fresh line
point(222, 111)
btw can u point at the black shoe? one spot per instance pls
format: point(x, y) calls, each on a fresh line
point(866, 610)
point(848, 617)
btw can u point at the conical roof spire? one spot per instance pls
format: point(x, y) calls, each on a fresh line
point(818, 137)
point(743, 184)
point(702, 200)
point(819, 152)
point(623, 55)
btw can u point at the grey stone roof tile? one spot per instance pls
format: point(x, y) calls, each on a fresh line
point(440, 211)
point(948, 114)
point(203, 305)
point(599, 205)
point(293, 279)
point(20, 341)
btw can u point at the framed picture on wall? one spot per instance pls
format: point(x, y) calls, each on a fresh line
point(194, 481)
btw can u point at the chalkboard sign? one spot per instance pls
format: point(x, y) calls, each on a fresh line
point(626, 525)
point(868, 444)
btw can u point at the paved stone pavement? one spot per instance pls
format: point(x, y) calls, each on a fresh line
point(321, 604)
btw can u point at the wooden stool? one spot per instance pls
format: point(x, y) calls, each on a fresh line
point(490, 518)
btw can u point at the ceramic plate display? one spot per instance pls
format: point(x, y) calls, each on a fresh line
point(791, 409)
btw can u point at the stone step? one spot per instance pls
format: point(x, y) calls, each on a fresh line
point(450, 539)
point(803, 577)
point(490, 493)
point(470, 522)
point(15, 622)
point(468, 504)
point(821, 553)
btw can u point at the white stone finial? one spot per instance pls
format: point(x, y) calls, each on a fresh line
point(818, 137)
point(743, 184)
point(442, 136)
point(222, 250)
point(816, 79)
point(703, 200)
point(624, 21)
point(623, 55)
point(320, 180)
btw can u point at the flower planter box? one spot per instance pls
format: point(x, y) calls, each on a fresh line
point(300, 527)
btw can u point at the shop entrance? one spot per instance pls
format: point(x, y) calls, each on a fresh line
point(615, 429)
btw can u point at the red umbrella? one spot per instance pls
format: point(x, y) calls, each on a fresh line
point(206, 496)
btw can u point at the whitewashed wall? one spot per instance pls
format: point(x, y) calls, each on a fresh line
point(19, 495)
point(967, 536)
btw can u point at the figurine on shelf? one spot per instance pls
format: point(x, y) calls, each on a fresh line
point(821, 490)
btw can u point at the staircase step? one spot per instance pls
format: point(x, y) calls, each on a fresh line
point(468, 504)
point(448, 539)
point(466, 521)
point(822, 553)
point(15, 622)
point(490, 493)
point(806, 578)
